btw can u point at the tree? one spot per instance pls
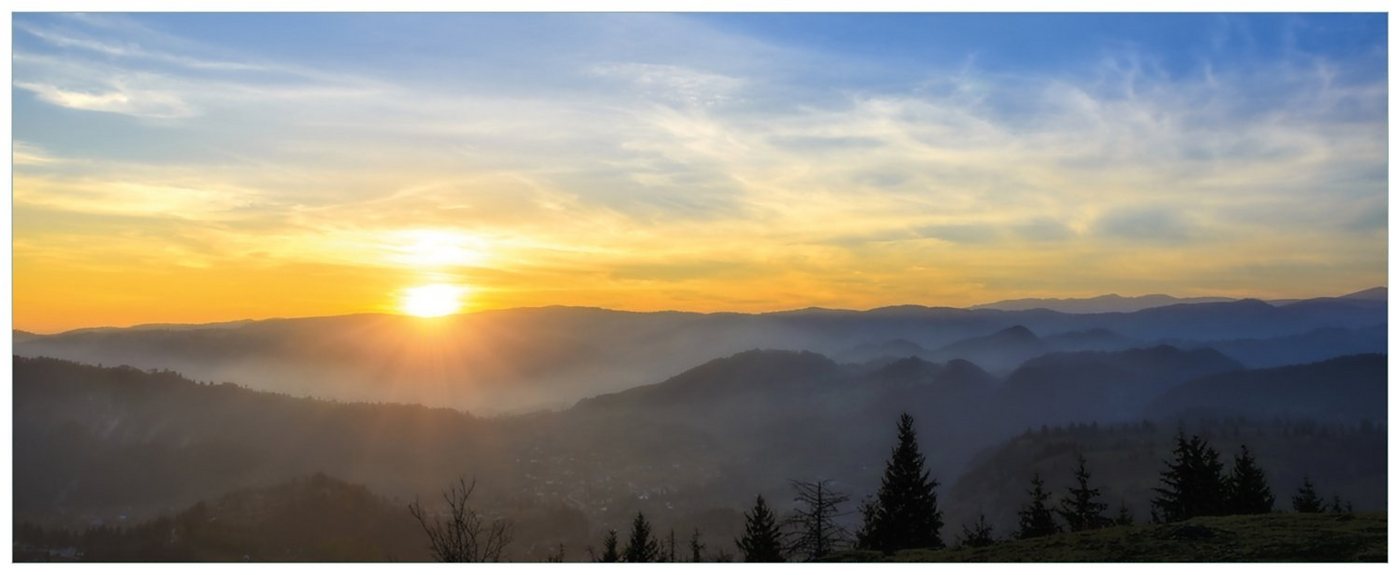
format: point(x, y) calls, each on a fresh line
point(905, 512)
point(1125, 515)
point(641, 546)
point(696, 547)
point(814, 533)
point(1249, 491)
point(762, 540)
point(556, 555)
point(1036, 518)
point(671, 547)
point(462, 535)
point(1193, 485)
point(1081, 509)
point(979, 535)
point(1307, 500)
point(610, 552)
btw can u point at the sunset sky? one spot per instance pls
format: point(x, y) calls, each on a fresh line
point(196, 168)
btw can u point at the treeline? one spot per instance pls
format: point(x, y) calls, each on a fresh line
point(904, 512)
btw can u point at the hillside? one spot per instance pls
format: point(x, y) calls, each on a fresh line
point(315, 518)
point(1279, 537)
point(510, 361)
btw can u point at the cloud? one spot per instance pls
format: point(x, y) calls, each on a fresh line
point(117, 100)
point(1147, 224)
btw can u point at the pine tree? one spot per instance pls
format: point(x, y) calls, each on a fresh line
point(696, 547)
point(1307, 500)
point(610, 553)
point(671, 547)
point(641, 546)
point(979, 535)
point(1036, 518)
point(1249, 491)
point(1125, 515)
point(762, 541)
point(1194, 484)
point(905, 512)
point(815, 532)
point(1081, 509)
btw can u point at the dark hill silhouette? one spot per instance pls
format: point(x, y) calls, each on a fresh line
point(1347, 388)
point(1098, 304)
point(315, 518)
point(1372, 294)
point(1315, 345)
point(1101, 386)
point(1003, 350)
point(522, 359)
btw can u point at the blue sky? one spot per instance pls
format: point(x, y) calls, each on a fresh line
point(701, 160)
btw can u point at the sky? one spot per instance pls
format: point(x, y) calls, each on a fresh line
point(208, 167)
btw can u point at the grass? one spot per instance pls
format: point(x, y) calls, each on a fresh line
point(1278, 537)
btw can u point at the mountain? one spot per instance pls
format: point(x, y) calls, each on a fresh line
point(1098, 304)
point(1003, 350)
point(315, 518)
point(1311, 346)
point(1346, 460)
point(1101, 386)
point(1350, 388)
point(1373, 294)
point(511, 361)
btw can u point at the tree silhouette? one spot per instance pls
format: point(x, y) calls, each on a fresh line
point(979, 535)
point(1307, 500)
point(1125, 515)
point(762, 540)
point(696, 547)
point(1036, 518)
point(814, 532)
point(641, 546)
point(462, 535)
point(1081, 509)
point(610, 552)
point(1249, 491)
point(1193, 485)
point(905, 512)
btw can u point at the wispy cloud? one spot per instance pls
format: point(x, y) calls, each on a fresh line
point(653, 165)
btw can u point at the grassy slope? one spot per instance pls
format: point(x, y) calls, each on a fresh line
point(1285, 537)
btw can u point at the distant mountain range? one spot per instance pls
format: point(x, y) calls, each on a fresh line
point(525, 359)
point(1117, 303)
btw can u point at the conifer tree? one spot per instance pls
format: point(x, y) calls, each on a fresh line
point(610, 552)
point(905, 512)
point(1307, 500)
point(979, 535)
point(1036, 518)
point(1125, 515)
point(762, 540)
point(641, 546)
point(1249, 490)
point(815, 532)
point(1193, 485)
point(1081, 509)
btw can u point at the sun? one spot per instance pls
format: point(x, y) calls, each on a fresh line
point(432, 300)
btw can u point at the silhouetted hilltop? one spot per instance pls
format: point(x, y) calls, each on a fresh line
point(315, 518)
point(1311, 346)
point(755, 371)
point(1348, 388)
point(522, 359)
point(1102, 386)
point(1098, 304)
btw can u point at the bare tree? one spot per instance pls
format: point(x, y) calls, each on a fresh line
point(815, 532)
point(462, 535)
